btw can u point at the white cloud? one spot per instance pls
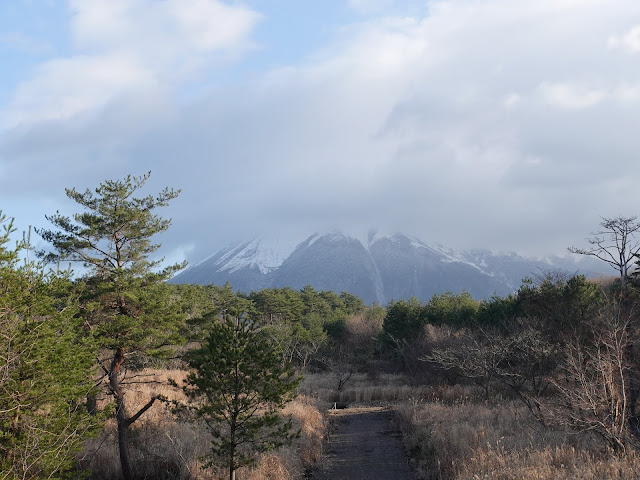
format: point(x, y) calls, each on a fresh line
point(459, 125)
point(161, 28)
point(389, 48)
point(493, 123)
point(630, 41)
point(570, 97)
point(124, 46)
point(211, 25)
point(511, 101)
point(628, 93)
point(65, 87)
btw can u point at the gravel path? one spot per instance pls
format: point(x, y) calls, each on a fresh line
point(364, 445)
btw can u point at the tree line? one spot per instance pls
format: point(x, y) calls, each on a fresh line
point(565, 346)
point(68, 337)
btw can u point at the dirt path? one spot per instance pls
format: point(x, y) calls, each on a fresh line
point(365, 445)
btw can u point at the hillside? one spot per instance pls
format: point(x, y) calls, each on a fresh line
point(378, 269)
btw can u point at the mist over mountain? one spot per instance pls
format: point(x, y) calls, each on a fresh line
point(377, 269)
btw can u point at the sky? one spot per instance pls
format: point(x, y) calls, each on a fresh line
point(491, 124)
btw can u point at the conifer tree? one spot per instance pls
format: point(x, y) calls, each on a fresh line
point(44, 368)
point(112, 238)
point(242, 385)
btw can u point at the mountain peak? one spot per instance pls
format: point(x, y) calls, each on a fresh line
point(377, 267)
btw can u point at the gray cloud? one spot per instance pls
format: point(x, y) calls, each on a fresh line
point(478, 124)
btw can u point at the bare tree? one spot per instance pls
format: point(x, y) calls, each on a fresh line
point(521, 360)
point(596, 386)
point(615, 244)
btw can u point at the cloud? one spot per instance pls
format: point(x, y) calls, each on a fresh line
point(127, 46)
point(511, 101)
point(62, 88)
point(477, 124)
point(566, 96)
point(630, 41)
point(161, 30)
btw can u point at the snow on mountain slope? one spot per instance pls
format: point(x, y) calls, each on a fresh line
point(377, 267)
point(267, 254)
point(264, 254)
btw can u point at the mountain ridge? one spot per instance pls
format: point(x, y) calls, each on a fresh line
point(379, 269)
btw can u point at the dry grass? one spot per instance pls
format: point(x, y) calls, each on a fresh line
point(383, 389)
point(164, 448)
point(451, 432)
point(466, 440)
point(604, 280)
point(293, 462)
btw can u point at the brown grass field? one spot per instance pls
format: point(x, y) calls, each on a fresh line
point(165, 448)
point(469, 439)
point(451, 433)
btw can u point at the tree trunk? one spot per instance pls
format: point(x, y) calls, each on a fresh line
point(232, 466)
point(121, 414)
point(123, 439)
point(232, 446)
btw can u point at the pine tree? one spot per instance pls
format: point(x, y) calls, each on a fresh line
point(122, 305)
point(44, 368)
point(242, 386)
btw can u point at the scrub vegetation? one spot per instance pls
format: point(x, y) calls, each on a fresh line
point(110, 372)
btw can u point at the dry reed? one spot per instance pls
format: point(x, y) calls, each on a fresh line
point(387, 388)
point(472, 440)
point(165, 448)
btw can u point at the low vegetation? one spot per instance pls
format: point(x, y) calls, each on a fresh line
point(167, 447)
point(469, 438)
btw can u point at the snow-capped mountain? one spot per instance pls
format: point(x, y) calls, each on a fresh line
point(258, 253)
point(378, 268)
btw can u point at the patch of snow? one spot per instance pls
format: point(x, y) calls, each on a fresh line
point(447, 255)
point(334, 236)
point(264, 254)
point(331, 236)
point(214, 254)
point(231, 251)
point(312, 239)
point(267, 254)
point(452, 256)
point(376, 236)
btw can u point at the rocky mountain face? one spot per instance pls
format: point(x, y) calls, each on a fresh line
point(379, 269)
